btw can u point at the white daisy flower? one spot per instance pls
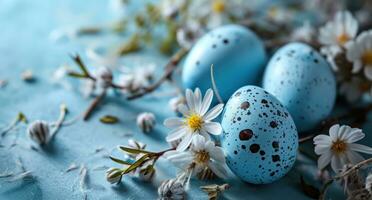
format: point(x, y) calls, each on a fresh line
point(196, 120)
point(359, 52)
point(339, 148)
point(202, 154)
point(338, 32)
point(304, 32)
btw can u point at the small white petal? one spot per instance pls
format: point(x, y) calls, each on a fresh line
point(321, 149)
point(337, 162)
point(214, 128)
point(217, 154)
point(333, 132)
point(206, 102)
point(198, 143)
point(183, 109)
point(360, 148)
point(324, 160)
point(176, 134)
point(174, 122)
point(322, 140)
point(185, 143)
point(219, 170)
point(354, 157)
point(213, 113)
point(197, 100)
point(190, 100)
point(354, 135)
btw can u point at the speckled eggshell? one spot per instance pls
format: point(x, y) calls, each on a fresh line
point(237, 54)
point(303, 81)
point(259, 136)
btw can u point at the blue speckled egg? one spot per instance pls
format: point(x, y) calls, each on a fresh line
point(303, 81)
point(259, 136)
point(238, 57)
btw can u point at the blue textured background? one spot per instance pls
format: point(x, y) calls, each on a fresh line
point(25, 44)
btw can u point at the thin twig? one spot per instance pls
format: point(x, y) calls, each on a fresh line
point(169, 69)
point(94, 104)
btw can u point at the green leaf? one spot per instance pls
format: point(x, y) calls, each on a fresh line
point(80, 63)
point(120, 161)
point(134, 151)
point(109, 119)
point(76, 75)
point(130, 46)
point(136, 164)
point(309, 190)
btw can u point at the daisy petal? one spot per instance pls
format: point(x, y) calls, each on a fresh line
point(206, 102)
point(219, 170)
point(190, 100)
point(176, 134)
point(321, 149)
point(198, 143)
point(213, 128)
point(368, 72)
point(174, 122)
point(213, 113)
point(324, 160)
point(354, 135)
point(322, 140)
point(217, 154)
point(337, 163)
point(354, 157)
point(360, 148)
point(333, 132)
point(197, 100)
point(186, 141)
point(183, 109)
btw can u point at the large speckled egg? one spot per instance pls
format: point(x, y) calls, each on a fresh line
point(259, 136)
point(238, 57)
point(303, 81)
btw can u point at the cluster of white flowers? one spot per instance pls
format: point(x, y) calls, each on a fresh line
point(340, 37)
point(195, 149)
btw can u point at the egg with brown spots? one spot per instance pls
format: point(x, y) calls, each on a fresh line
point(259, 136)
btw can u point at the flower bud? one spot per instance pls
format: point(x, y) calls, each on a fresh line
point(171, 189)
point(104, 77)
point(146, 174)
point(175, 102)
point(146, 122)
point(113, 175)
point(39, 132)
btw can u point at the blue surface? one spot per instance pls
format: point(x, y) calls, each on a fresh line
point(25, 44)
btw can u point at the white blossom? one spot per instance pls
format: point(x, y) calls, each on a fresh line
point(202, 154)
point(196, 120)
point(304, 32)
point(359, 52)
point(171, 189)
point(342, 29)
point(339, 148)
point(175, 102)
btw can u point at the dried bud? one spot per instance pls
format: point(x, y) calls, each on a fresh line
point(171, 190)
point(113, 175)
point(146, 121)
point(104, 77)
point(147, 173)
point(39, 132)
point(353, 181)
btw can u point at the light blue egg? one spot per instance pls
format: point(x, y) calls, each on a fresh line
point(238, 57)
point(259, 136)
point(303, 81)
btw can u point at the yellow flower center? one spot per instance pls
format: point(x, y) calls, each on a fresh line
point(343, 38)
point(367, 58)
point(202, 157)
point(339, 147)
point(195, 122)
point(218, 6)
